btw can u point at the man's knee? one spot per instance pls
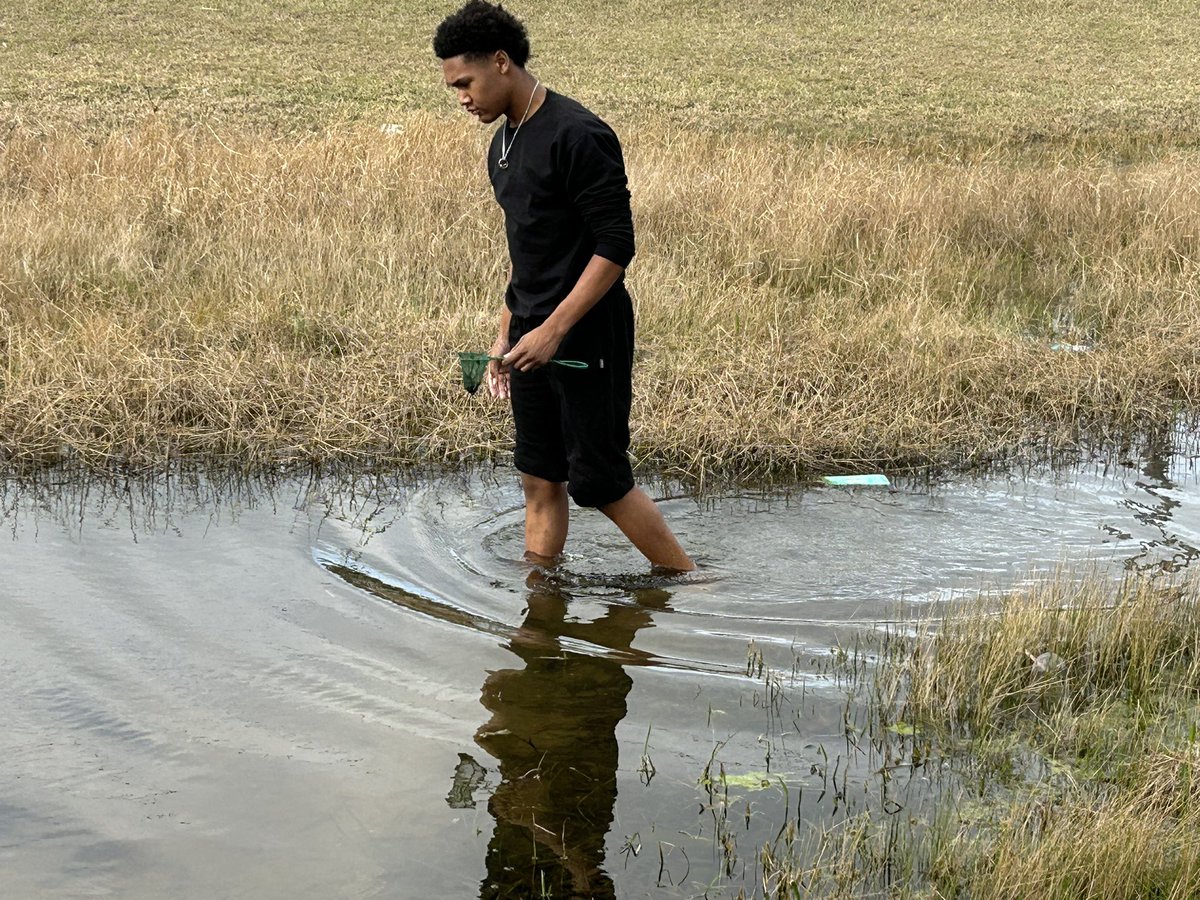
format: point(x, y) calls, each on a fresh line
point(540, 492)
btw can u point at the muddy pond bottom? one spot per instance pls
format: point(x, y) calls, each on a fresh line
point(356, 688)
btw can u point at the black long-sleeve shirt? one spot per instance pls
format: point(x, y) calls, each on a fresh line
point(565, 199)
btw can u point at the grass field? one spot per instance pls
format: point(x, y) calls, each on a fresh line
point(892, 71)
point(862, 228)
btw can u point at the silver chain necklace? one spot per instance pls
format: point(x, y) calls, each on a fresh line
point(505, 146)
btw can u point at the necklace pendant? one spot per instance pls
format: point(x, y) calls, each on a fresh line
point(505, 145)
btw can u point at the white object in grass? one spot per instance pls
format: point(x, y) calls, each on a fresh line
point(875, 480)
point(1071, 348)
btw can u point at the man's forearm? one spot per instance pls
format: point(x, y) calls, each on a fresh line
point(505, 320)
point(538, 346)
point(596, 281)
point(505, 312)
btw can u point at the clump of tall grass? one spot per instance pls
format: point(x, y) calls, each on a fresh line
point(1070, 847)
point(1062, 648)
point(1073, 707)
point(173, 292)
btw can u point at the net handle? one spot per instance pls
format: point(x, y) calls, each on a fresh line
point(565, 363)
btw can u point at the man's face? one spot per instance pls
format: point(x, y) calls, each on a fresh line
point(479, 84)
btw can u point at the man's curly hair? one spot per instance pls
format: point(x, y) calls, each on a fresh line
point(479, 29)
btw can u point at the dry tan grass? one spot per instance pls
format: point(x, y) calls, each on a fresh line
point(168, 291)
point(1074, 848)
point(1110, 722)
point(1124, 847)
point(1137, 646)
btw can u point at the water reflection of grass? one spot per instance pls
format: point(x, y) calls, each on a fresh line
point(1077, 779)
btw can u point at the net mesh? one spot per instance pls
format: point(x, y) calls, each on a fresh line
point(474, 367)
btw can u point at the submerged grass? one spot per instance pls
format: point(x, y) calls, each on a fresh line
point(168, 292)
point(1070, 715)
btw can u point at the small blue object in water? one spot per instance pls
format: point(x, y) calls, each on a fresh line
point(876, 480)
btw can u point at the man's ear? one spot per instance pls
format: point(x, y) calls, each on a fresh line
point(502, 62)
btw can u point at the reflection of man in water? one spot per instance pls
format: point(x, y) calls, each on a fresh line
point(553, 731)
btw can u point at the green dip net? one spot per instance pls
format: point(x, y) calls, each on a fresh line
point(474, 367)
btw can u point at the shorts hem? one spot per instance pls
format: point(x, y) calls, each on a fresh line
point(528, 470)
point(595, 500)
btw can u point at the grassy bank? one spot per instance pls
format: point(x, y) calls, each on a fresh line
point(862, 229)
point(1058, 729)
point(173, 292)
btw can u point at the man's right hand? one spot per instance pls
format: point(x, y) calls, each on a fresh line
point(497, 371)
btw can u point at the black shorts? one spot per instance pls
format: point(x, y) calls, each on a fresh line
point(573, 424)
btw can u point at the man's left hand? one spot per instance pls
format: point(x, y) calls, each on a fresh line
point(535, 349)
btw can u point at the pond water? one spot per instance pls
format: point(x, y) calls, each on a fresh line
point(356, 688)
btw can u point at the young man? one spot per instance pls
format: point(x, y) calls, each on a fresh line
point(558, 174)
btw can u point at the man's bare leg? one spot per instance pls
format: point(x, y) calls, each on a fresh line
point(642, 522)
point(546, 517)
